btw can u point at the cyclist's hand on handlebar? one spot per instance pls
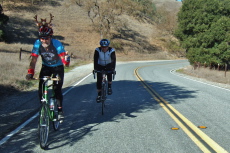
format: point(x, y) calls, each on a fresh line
point(113, 71)
point(29, 76)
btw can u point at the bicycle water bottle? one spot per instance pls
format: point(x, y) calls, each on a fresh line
point(52, 103)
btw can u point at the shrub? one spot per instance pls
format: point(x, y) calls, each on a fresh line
point(3, 21)
point(204, 30)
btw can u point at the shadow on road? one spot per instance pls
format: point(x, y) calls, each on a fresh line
point(83, 114)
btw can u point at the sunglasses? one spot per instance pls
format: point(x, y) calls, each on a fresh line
point(44, 38)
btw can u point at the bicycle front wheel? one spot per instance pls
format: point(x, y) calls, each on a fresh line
point(56, 122)
point(103, 98)
point(43, 126)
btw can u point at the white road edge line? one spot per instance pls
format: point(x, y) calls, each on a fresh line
point(184, 76)
point(33, 117)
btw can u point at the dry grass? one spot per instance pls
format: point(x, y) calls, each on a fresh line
point(208, 74)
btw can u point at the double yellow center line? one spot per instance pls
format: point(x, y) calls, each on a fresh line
point(204, 142)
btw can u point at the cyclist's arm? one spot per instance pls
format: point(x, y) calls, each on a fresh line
point(113, 58)
point(63, 60)
point(96, 56)
point(34, 54)
point(34, 57)
point(61, 51)
point(62, 57)
point(33, 62)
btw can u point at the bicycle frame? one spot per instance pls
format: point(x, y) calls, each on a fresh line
point(104, 86)
point(45, 114)
point(45, 98)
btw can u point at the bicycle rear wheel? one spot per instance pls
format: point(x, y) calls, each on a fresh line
point(56, 122)
point(43, 126)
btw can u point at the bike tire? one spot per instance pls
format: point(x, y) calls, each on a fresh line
point(103, 98)
point(102, 107)
point(56, 122)
point(43, 126)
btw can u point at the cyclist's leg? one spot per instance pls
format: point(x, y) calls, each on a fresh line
point(109, 77)
point(99, 81)
point(58, 87)
point(45, 71)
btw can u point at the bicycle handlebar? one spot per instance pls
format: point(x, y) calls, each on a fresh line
point(46, 78)
point(103, 71)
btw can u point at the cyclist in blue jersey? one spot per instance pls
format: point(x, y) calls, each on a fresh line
point(104, 59)
point(53, 60)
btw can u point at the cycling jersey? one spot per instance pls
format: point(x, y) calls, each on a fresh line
point(50, 57)
point(104, 58)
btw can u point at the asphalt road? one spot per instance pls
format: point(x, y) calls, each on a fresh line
point(136, 118)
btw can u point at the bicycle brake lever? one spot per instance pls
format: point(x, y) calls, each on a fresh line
point(94, 71)
point(114, 73)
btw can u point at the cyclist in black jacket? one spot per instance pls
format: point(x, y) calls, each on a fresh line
point(104, 59)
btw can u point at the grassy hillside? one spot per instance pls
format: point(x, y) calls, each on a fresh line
point(134, 37)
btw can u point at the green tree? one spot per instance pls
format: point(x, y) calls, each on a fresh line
point(204, 30)
point(3, 21)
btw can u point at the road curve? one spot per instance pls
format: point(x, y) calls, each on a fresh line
point(134, 121)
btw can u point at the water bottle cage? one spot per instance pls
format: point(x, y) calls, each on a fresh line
point(43, 100)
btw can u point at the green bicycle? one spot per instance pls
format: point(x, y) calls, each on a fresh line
point(48, 111)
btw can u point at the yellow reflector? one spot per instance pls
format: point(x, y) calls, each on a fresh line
point(175, 128)
point(202, 127)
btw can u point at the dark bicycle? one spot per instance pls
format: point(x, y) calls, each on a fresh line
point(104, 86)
point(48, 111)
